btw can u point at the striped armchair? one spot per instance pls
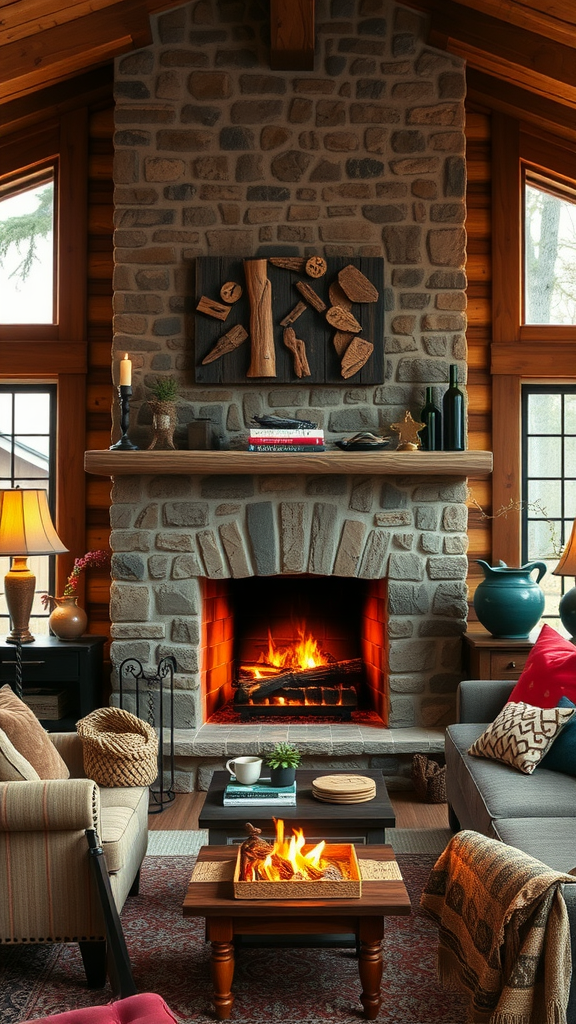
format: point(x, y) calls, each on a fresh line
point(48, 889)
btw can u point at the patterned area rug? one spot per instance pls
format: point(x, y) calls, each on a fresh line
point(276, 986)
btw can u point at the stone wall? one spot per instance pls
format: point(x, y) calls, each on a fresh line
point(217, 155)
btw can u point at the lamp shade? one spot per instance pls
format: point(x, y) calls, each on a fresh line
point(26, 525)
point(567, 564)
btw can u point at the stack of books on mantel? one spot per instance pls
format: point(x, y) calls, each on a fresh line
point(305, 440)
point(261, 792)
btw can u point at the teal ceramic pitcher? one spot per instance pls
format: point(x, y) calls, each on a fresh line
point(509, 602)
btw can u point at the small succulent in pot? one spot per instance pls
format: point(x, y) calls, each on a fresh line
point(165, 389)
point(164, 392)
point(283, 761)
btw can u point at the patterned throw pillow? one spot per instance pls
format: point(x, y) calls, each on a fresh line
point(521, 735)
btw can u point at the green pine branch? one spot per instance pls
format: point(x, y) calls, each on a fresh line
point(24, 231)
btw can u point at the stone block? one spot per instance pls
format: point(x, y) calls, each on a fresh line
point(350, 548)
point(450, 600)
point(210, 85)
point(362, 494)
point(455, 545)
point(185, 567)
point(391, 519)
point(211, 555)
point(185, 513)
point(323, 538)
point(443, 567)
point(405, 566)
point(292, 536)
point(430, 543)
point(412, 655)
point(227, 487)
point(261, 526)
point(455, 518)
point(373, 561)
point(177, 598)
point(407, 599)
point(130, 540)
point(127, 567)
point(233, 544)
point(129, 603)
point(121, 650)
point(174, 542)
point(137, 631)
point(426, 517)
point(185, 631)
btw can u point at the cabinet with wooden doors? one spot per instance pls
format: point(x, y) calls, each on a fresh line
point(486, 657)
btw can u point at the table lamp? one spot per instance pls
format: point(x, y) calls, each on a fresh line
point(567, 567)
point(25, 529)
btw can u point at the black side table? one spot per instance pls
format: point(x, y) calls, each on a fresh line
point(71, 668)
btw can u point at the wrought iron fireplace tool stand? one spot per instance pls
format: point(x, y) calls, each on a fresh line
point(154, 686)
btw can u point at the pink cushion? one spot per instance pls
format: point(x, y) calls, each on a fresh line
point(144, 1008)
point(549, 673)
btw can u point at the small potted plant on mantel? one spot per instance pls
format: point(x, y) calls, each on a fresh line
point(283, 761)
point(163, 406)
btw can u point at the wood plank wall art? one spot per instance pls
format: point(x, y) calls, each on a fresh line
point(289, 319)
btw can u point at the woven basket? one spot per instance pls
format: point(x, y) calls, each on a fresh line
point(119, 749)
point(429, 779)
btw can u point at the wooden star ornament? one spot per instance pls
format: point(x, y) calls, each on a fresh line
point(408, 433)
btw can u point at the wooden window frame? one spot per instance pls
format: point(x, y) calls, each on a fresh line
point(518, 354)
point(57, 353)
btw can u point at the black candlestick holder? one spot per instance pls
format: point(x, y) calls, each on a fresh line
point(124, 444)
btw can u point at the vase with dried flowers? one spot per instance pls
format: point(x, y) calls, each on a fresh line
point(67, 620)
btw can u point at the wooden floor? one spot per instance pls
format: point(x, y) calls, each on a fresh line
point(410, 812)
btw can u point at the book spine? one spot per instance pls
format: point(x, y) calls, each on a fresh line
point(287, 440)
point(286, 433)
point(286, 448)
point(278, 802)
point(260, 796)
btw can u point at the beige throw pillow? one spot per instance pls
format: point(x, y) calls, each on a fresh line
point(26, 734)
point(521, 735)
point(14, 767)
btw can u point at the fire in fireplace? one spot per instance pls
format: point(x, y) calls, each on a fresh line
point(294, 646)
point(301, 675)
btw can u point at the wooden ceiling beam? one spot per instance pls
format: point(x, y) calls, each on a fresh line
point(543, 112)
point(486, 43)
point(292, 35)
point(98, 31)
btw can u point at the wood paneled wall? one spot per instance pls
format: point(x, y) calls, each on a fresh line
point(99, 390)
point(479, 334)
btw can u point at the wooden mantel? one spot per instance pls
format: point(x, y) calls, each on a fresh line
point(476, 464)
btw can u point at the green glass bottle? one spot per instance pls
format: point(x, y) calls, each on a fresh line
point(453, 415)
point(431, 433)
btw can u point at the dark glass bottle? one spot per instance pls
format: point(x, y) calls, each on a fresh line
point(453, 414)
point(431, 434)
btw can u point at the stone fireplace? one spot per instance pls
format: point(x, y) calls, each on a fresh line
point(364, 157)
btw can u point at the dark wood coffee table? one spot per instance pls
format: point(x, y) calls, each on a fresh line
point(227, 917)
point(358, 823)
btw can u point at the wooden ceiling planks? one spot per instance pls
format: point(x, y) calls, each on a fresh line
point(292, 33)
point(43, 42)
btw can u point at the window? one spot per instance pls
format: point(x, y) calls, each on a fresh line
point(548, 483)
point(27, 459)
point(549, 251)
point(27, 250)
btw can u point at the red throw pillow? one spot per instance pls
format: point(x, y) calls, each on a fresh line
point(549, 673)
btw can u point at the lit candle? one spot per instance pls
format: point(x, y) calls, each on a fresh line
point(125, 372)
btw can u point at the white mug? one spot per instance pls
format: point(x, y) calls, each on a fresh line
point(246, 769)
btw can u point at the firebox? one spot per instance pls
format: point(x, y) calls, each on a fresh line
point(294, 646)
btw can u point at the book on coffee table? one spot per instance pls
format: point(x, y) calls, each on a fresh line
point(258, 793)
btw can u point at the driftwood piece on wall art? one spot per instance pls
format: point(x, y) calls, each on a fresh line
point(263, 361)
point(227, 343)
point(272, 301)
point(355, 356)
point(298, 349)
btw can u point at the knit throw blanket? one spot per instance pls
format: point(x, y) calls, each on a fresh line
point(503, 931)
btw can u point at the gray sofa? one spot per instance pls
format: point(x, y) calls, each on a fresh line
point(536, 813)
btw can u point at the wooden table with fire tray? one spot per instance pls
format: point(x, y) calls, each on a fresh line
point(362, 823)
point(372, 885)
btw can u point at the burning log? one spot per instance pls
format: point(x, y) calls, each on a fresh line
point(323, 675)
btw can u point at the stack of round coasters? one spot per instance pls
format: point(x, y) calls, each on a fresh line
point(344, 789)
